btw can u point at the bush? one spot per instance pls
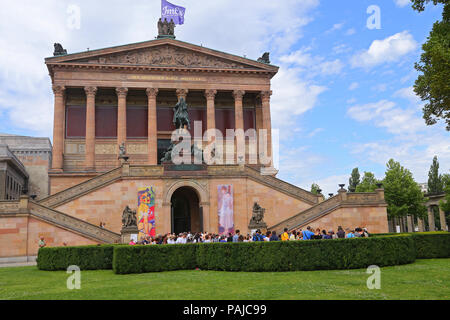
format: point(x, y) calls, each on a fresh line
point(428, 245)
point(154, 258)
point(85, 257)
point(306, 255)
point(266, 256)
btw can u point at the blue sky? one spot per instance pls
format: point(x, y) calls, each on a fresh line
point(342, 98)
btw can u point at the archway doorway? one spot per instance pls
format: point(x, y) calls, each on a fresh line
point(186, 211)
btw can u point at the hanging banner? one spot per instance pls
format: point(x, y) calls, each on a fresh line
point(225, 209)
point(146, 213)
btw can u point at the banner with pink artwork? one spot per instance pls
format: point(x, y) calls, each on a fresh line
point(146, 213)
point(225, 209)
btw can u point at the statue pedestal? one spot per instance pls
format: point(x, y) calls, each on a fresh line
point(261, 227)
point(127, 233)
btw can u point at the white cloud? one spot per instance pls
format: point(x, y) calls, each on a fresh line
point(350, 32)
point(312, 65)
point(387, 115)
point(391, 49)
point(336, 26)
point(353, 86)
point(402, 3)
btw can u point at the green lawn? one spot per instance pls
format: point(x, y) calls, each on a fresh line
point(424, 279)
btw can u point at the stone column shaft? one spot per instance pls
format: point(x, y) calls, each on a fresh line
point(431, 218)
point(58, 128)
point(267, 124)
point(420, 225)
point(239, 125)
point(121, 115)
point(90, 128)
point(442, 219)
point(152, 93)
point(210, 109)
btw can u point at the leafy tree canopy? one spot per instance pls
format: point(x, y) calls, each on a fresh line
point(368, 183)
point(354, 181)
point(403, 195)
point(432, 84)
point(315, 188)
point(435, 185)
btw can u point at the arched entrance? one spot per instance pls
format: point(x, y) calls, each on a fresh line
point(186, 213)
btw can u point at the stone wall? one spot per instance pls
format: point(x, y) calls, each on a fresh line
point(374, 218)
point(106, 204)
point(19, 236)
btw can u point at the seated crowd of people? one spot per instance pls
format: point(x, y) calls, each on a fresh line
point(294, 235)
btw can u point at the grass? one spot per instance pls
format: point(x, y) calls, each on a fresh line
point(424, 279)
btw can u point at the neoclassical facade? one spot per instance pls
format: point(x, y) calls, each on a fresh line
point(125, 95)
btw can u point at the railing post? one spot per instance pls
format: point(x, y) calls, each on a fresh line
point(23, 203)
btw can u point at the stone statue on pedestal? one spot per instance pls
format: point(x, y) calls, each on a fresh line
point(129, 225)
point(257, 220)
point(181, 122)
point(129, 218)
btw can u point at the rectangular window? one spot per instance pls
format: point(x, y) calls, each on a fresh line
point(137, 122)
point(75, 121)
point(197, 114)
point(249, 119)
point(165, 119)
point(225, 120)
point(106, 121)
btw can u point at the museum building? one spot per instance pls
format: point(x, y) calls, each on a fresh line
point(125, 95)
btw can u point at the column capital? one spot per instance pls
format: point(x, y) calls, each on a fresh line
point(182, 93)
point(210, 94)
point(122, 92)
point(90, 91)
point(152, 92)
point(58, 90)
point(238, 94)
point(265, 95)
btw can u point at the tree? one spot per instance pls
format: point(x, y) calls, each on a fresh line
point(435, 185)
point(446, 181)
point(402, 193)
point(315, 188)
point(368, 183)
point(354, 181)
point(433, 85)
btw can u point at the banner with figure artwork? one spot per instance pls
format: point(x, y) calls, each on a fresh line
point(225, 209)
point(146, 213)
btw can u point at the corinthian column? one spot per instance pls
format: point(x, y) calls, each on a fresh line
point(90, 128)
point(239, 125)
point(58, 128)
point(210, 111)
point(152, 93)
point(265, 101)
point(121, 115)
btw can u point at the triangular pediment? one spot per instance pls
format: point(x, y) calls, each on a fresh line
point(163, 53)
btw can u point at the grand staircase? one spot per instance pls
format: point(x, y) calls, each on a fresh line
point(342, 199)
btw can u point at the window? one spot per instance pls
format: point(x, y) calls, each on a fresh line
point(224, 120)
point(249, 119)
point(137, 122)
point(75, 122)
point(106, 122)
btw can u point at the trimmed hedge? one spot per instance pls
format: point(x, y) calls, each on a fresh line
point(381, 250)
point(154, 258)
point(85, 257)
point(429, 245)
point(267, 256)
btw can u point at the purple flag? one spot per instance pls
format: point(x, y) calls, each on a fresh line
point(172, 12)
